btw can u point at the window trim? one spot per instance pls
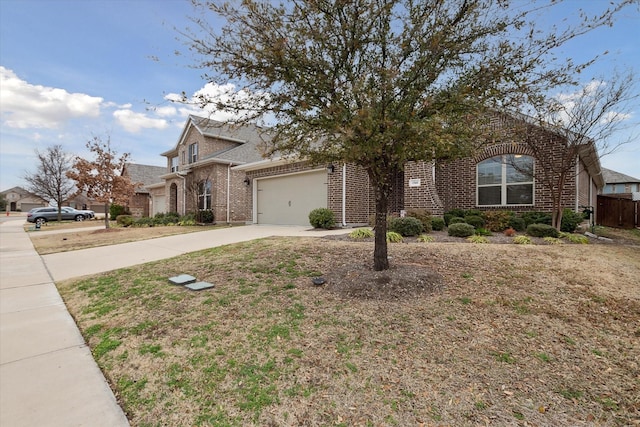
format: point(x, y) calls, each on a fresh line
point(193, 152)
point(504, 183)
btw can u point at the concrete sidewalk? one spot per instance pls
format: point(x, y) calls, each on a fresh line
point(47, 374)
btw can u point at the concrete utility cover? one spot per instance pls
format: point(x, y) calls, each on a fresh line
point(198, 286)
point(182, 279)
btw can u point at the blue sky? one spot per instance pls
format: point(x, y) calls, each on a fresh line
point(73, 69)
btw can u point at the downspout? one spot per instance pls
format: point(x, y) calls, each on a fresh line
point(577, 184)
point(228, 192)
point(344, 194)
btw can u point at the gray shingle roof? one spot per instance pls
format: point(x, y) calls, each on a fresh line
point(613, 177)
point(145, 174)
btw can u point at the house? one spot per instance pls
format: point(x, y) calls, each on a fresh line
point(19, 199)
point(140, 204)
point(220, 167)
point(616, 183)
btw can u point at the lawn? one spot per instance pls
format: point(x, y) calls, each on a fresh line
point(71, 236)
point(495, 334)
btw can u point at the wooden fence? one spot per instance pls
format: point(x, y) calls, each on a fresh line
point(617, 211)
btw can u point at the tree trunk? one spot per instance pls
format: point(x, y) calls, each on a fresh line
point(106, 215)
point(380, 258)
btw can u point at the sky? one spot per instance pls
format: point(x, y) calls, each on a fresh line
point(72, 70)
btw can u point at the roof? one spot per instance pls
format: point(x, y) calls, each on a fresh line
point(145, 174)
point(248, 136)
point(613, 177)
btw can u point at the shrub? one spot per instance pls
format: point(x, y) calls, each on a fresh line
point(473, 212)
point(143, 222)
point(456, 220)
point(575, 238)
point(570, 220)
point(517, 223)
point(453, 213)
point(461, 229)
point(393, 237)
point(509, 232)
point(424, 238)
point(361, 233)
point(552, 240)
point(542, 230)
point(124, 220)
point(207, 216)
point(322, 218)
point(475, 220)
point(498, 220)
point(477, 239)
point(535, 217)
point(116, 210)
point(437, 223)
point(407, 226)
point(522, 240)
point(482, 232)
point(424, 216)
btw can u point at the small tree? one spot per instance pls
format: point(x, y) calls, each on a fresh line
point(50, 180)
point(378, 83)
point(101, 178)
point(586, 122)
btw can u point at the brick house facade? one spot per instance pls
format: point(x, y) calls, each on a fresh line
point(229, 159)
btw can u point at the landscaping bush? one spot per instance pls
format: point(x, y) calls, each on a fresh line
point(143, 222)
point(461, 229)
point(124, 220)
point(322, 218)
point(456, 220)
point(522, 240)
point(477, 239)
point(475, 220)
point(207, 216)
point(570, 220)
point(482, 232)
point(453, 213)
point(517, 223)
point(473, 212)
point(166, 218)
point(116, 210)
point(393, 237)
point(542, 230)
point(535, 217)
point(361, 233)
point(498, 220)
point(437, 223)
point(424, 238)
point(407, 226)
point(424, 216)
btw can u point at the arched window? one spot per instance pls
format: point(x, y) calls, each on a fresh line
point(204, 195)
point(505, 180)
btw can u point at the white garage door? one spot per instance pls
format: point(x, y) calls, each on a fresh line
point(287, 200)
point(158, 205)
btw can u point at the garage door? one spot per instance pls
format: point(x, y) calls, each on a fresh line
point(287, 200)
point(158, 205)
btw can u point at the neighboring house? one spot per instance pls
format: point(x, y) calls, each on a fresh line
point(219, 167)
point(616, 183)
point(19, 199)
point(141, 203)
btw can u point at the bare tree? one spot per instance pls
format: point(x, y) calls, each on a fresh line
point(592, 120)
point(50, 180)
point(101, 178)
point(378, 83)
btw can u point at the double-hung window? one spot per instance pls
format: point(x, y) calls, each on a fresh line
point(193, 152)
point(174, 164)
point(505, 180)
point(204, 195)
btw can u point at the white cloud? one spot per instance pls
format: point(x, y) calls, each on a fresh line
point(134, 122)
point(24, 105)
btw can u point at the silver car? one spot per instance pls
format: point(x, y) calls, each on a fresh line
point(42, 215)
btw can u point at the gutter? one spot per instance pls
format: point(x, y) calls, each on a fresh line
point(228, 191)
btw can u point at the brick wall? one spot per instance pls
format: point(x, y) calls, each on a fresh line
point(422, 195)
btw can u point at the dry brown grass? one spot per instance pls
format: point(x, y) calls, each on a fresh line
point(486, 335)
point(63, 237)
